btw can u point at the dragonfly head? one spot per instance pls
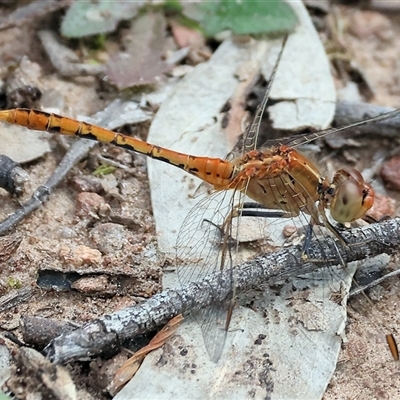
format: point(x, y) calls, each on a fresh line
point(352, 196)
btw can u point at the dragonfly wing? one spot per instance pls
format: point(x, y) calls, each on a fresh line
point(198, 244)
point(204, 249)
point(213, 323)
point(251, 135)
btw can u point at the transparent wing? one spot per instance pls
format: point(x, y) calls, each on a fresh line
point(250, 138)
point(205, 248)
point(248, 141)
point(296, 141)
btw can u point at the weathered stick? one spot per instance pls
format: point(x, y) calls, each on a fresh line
point(107, 333)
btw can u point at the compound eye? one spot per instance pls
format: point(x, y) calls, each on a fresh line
point(352, 199)
point(356, 175)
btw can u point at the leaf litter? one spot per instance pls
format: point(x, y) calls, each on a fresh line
point(50, 212)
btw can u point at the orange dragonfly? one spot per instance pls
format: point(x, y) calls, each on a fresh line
point(279, 179)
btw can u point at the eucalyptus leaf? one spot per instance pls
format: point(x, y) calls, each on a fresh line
point(245, 17)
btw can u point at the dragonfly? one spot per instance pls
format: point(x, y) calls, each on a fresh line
point(279, 180)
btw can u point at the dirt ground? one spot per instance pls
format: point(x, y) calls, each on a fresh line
point(78, 232)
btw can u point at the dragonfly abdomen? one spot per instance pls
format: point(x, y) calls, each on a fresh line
point(211, 170)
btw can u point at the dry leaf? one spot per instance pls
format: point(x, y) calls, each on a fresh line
point(185, 36)
point(130, 366)
point(236, 120)
point(141, 63)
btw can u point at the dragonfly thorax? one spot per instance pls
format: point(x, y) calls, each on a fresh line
point(278, 178)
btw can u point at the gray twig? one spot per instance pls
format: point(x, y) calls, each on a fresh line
point(76, 152)
point(110, 331)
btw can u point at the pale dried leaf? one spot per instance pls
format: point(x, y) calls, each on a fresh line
point(142, 62)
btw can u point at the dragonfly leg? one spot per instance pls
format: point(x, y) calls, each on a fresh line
point(309, 233)
point(225, 236)
point(247, 209)
point(252, 209)
point(329, 225)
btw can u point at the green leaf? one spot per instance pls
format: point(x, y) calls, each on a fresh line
point(173, 6)
point(246, 17)
point(85, 18)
